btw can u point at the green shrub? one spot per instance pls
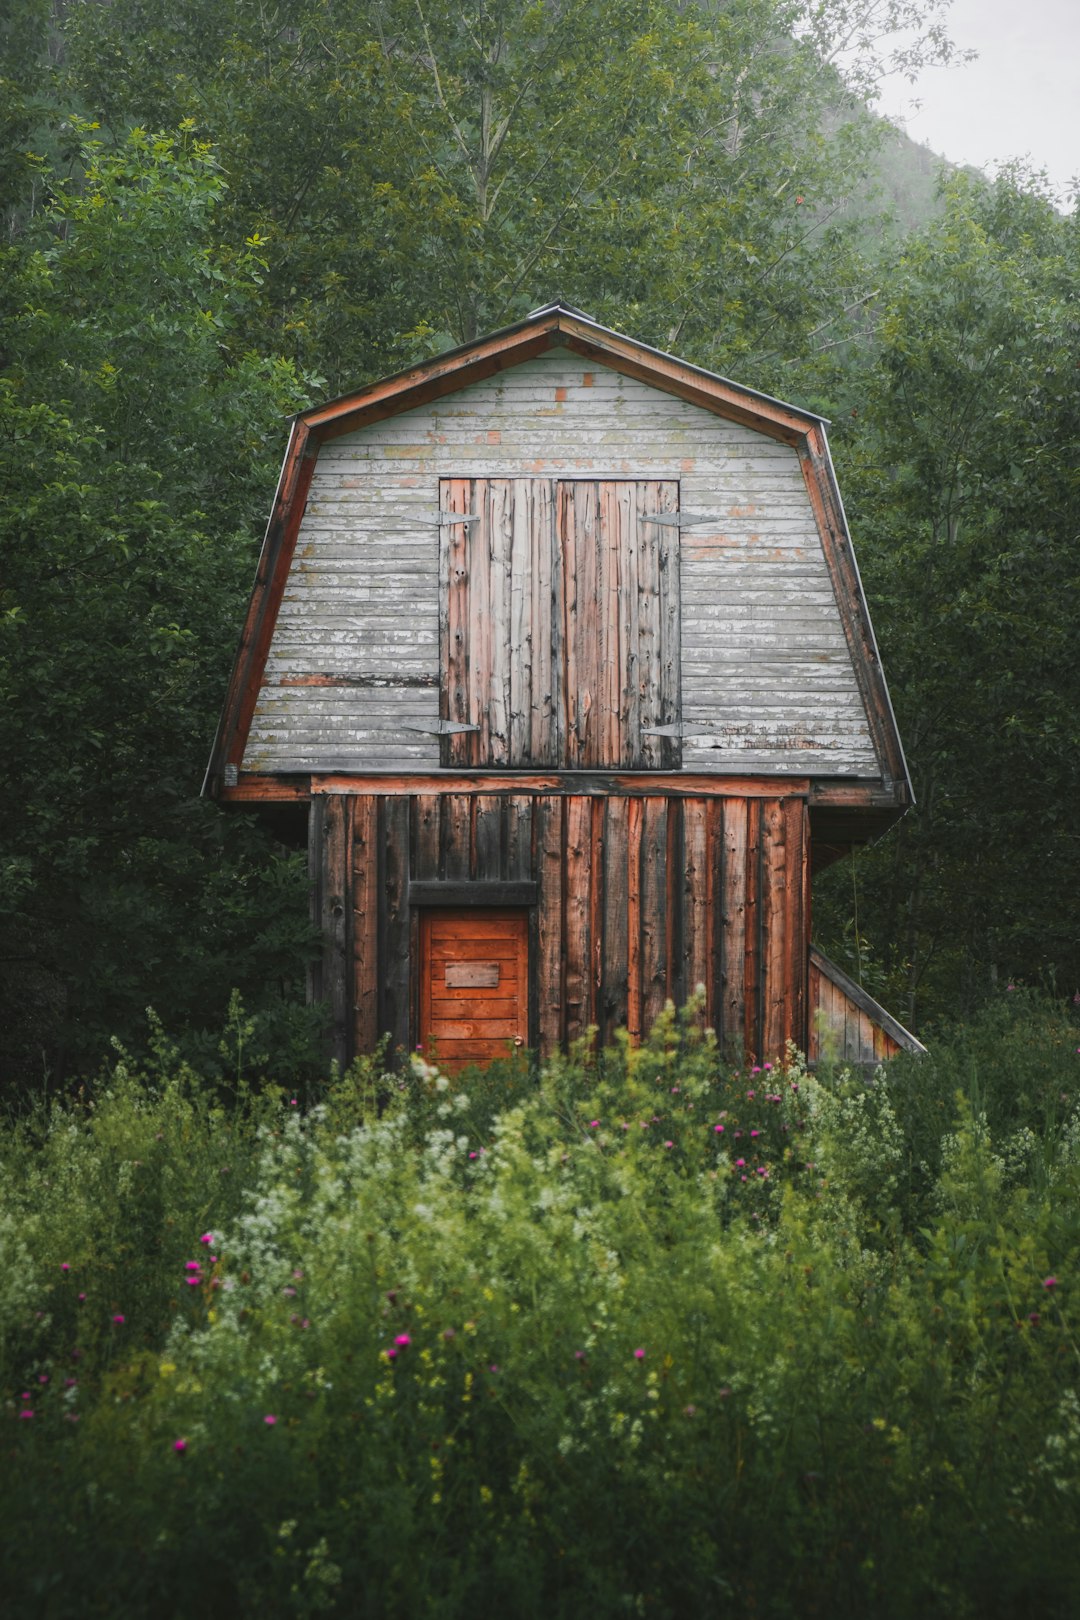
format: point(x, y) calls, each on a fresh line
point(654, 1337)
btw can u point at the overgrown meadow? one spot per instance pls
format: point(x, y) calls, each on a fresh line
point(638, 1334)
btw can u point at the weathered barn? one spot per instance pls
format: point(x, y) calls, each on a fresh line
point(562, 644)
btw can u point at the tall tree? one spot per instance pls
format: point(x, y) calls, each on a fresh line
point(963, 481)
point(137, 450)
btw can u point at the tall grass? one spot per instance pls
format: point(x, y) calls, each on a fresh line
point(637, 1334)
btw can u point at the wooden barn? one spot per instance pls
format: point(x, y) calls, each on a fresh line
point(559, 644)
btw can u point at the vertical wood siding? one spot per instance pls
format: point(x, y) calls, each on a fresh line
point(352, 681)
point(559, 622)
point(639, 899)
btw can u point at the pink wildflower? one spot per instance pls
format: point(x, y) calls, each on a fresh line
point(639, 1355)
point(179, 1445)
point(193, 1282)
point(767, 1067)
point(82, 1299)
point(739, 1163)
point(270, 1419)
point(719, 1129)
point(119, 1320)
point(403, 1341)
point(65, 1265)
point(391, 1354)
point(26, 1412)
point(1050, 1282)
point(579, 1355)
point(207, 1237)
point(192, 1265)
point(594, 1124)
point(669, 1144)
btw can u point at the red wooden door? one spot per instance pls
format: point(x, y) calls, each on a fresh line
point(474, 983)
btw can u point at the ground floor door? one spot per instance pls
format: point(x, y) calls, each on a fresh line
point(474, 983)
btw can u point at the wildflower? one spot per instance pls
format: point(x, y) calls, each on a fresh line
point(292, 1102)
point(719, 1129)
point(43, 1378)
point(669, 1144)
point(639, 1355)
point(750, 1095)
point(1050, 1282)
point(82, 1299)
point(289, 1292)
point(472, 1155)
point(493, 1368)
point(403, 1341)
point(118, 1320)
point(762, 1170)
point(767, 1067)
point(739, 1164)
point(579, 1355)
point(192, 1265)
point(26, 1412)
point(270, 1419)
point(1034, 1318)
point(179, 1445)
point(207, 1237)
point(65, 1265)
point(594, 1124)
point(690, 1411)
point(193, 1282)
point(70, 1383)
point(753, 1134)
point(448, 1333)
point(391, 1354)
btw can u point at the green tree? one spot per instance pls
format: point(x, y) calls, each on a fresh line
point(137, 446)
point(427, 171)
point(965, 494)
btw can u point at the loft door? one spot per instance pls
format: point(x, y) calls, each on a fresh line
point(560, 622)
point(474, 983)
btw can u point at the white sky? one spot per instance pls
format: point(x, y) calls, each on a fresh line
point(1020, 99)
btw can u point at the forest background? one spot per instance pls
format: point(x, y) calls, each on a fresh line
point(217, 211)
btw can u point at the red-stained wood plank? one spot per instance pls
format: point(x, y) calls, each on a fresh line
point(612, 1007)
point(654, 909)
point(736, 834)
point(577, 916)
point(549, 968)
point(635, 991)
point(365, 902)
point(336, 922)
point(455, 497)
point(695, 897)
point(456, 836)
point(775, 923)
point(427, 817)
point(625, 784)
point(752, 1010)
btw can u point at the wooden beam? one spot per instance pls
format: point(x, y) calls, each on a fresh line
point(519, 893)
point(605, 784)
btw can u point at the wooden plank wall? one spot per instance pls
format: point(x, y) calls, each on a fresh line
point(352, 682)
point(639, 899)
point(846, 1024)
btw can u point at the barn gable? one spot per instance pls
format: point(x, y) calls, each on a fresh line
point(344, 661)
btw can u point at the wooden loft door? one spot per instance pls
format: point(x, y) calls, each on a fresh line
point(474, 983)
point(560, 623)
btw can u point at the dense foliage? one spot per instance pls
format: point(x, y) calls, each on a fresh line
point(642, 1334)
point(215, 211)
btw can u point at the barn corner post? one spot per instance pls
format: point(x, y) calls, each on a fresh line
point(561, 640)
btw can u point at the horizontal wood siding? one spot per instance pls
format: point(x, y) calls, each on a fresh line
point(352, 680)
point(638, 899)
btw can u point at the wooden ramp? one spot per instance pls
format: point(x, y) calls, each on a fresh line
point(846, 1024)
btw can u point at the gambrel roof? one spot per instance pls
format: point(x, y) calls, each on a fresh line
point(876, 788)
